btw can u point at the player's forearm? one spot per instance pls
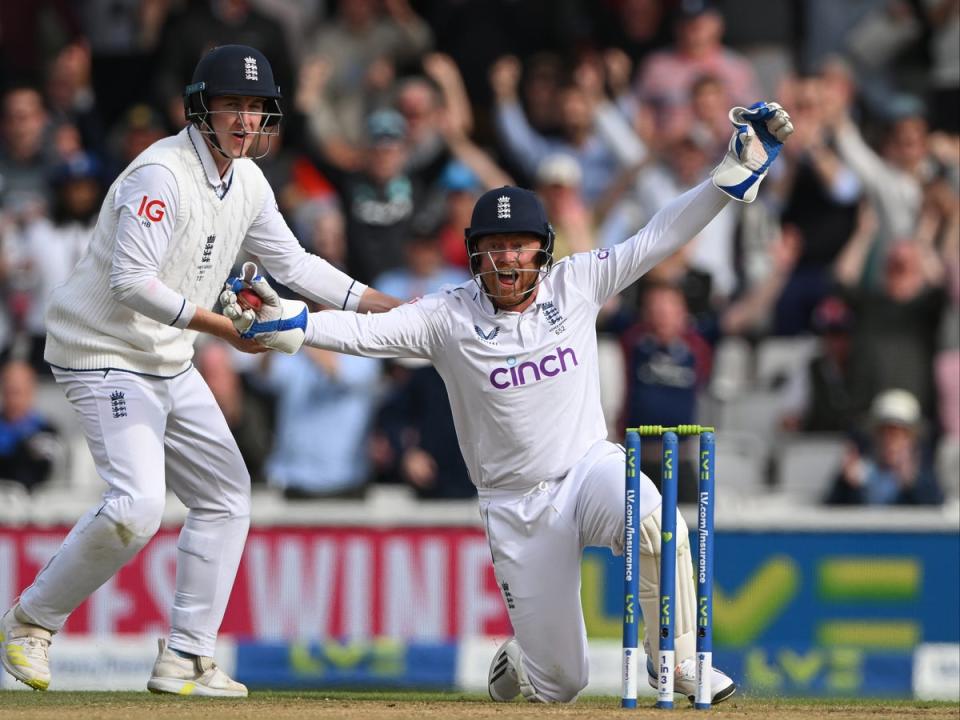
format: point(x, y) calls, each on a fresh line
point(382, 336)
point(148, 296)
point(374, 301)
point(211, 323)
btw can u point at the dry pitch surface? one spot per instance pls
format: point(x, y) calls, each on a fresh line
point(16, 705)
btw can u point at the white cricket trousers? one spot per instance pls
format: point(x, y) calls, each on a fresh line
point(537, 542)
point(146, 433)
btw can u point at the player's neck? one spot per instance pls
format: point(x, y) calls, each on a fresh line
point(223, 162)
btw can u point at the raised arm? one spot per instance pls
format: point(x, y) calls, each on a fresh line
point(760, 132)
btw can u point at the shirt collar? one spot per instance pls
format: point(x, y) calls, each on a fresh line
point(220, 185)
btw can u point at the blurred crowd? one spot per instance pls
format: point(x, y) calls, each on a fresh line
point(399, 114)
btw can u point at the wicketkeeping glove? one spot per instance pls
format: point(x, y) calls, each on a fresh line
point(761, 130)
point(279, 324)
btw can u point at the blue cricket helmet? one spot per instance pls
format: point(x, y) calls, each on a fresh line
point(231, 70)
point(509, 210)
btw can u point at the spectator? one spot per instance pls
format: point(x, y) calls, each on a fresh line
point(379, 199)
point(638, 27)
point(189, 34)
point(897, 468)
point(25, 156)
point(667, 363)
point(70, 95)
point(461, 188)
point(819, 194)
point(425, 271)
point(897, 324)
point(352, 62)
point(579, 138)
point(558, 184)
point(248, 415)
point(948, 347)
point(419, 101)
point(321, 394)
point(898, 181)
point(43, 252)
point(138, 128)
point(540, 85)
point(416, 425)
point(709, 103)
point(943, 17)
point(123, 38)
point(439, 121)
point(666, 79)
point(28, 443)
point(820, 399)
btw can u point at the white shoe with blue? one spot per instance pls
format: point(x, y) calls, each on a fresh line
point(685, 681)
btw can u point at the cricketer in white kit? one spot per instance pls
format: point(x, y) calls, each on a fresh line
point(121, 332)
point(517, 350)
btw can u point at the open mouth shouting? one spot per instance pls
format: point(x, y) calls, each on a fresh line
point(508, 278)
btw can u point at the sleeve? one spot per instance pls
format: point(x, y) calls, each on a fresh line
point(148, 199)
point(617, 135)
point(274, 244)
point(861, 159)
point(602, 273)
point(414, 330)
point(522, 140)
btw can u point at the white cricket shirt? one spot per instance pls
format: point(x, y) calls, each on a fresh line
point(524, 387)
point(166, 238)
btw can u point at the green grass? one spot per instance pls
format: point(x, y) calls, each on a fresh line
point(10, 698)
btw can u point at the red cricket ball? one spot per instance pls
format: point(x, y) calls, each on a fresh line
point(249, 300)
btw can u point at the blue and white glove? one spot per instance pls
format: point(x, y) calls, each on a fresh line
point(279, 324)
point(761, 130)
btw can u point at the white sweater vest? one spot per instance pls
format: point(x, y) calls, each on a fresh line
point(88, 329)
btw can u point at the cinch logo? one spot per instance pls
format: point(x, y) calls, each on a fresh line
point(532, 371)
point(151, 209)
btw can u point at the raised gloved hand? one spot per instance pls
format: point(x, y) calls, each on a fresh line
point(279, 324)
point(760, 132)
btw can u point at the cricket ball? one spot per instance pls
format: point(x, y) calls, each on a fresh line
point(249, 300)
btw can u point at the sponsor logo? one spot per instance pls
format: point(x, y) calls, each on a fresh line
point(206, 258)
point(487, 337)
point(118, 404)
point(532, 371)
point(151, 211)
point(508, 596)
point(602, 253)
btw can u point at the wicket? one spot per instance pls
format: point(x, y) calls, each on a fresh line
point(668, 563)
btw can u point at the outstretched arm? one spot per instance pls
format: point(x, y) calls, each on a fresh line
point(759, 133)
point(410, 330)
